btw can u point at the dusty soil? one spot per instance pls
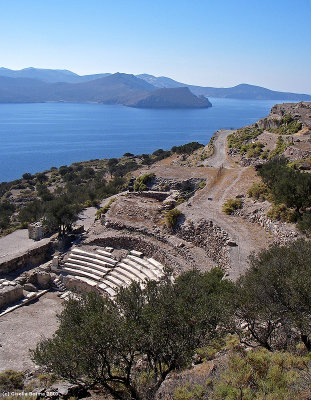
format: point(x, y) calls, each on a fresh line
point(18, 243)
point(23, 328)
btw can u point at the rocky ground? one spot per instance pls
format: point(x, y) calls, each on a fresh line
point(197, 185)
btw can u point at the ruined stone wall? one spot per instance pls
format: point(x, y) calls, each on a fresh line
point(32, 257)
point(211, 238)
point(10, 294)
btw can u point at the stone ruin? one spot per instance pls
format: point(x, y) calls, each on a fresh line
point(36, 231)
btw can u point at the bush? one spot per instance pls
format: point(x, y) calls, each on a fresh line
point(103, 210)
point(280, 212)
point(258, 191)
point(231, 205)
point(242, 136)
point(280, 147)
point(27, 176)
point(304, 225)
point(188, 392)
point(11, 380)
point(260, 374)
point(171, 217)
point(140, 183)
point(187, 148)
point(288, 126)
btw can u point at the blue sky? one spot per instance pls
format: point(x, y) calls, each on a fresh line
point(206, 42)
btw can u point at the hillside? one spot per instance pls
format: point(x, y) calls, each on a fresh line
point(188, 209)
point(241, 91)
point(49, 75)
point(171, 98)
point(111, 89)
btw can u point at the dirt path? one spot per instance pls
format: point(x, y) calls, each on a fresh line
point(228, 182)
point(219, 157)
point(23, 328)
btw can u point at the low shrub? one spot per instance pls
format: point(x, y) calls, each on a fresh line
point(258, 191)
point(103, 210)
point(280, 212)
point(140, 183)
point(171, 217)
point(231, 205)
point(11, 380)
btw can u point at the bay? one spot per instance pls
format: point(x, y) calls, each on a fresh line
point(35, 137)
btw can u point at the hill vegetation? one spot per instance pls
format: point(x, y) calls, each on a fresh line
point(130, 345)
point(50, 76)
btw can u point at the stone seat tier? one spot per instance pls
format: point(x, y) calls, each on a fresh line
point(73, 271)
point(92, 259)
point(136, 253)
point(107, 289)
point(119, 275)
point(88, 281)
point(94, 255)
point(114, 279)
point(133, 271)
point(156, 263)
point(72, 264)
point(149, 273)
point(104, 253)
point(146, 264)
point(89, 264)
point(126, 273)
point(144, 267)
point(111, 284)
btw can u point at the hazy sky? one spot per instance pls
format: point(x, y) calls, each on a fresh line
point(205, 42)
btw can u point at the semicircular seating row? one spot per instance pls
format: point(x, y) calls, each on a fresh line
point(99, 269)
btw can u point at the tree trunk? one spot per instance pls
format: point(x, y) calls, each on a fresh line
point(306, 341)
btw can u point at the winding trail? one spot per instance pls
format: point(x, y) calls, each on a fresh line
point(227, 182)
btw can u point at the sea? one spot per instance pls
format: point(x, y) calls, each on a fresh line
point(37, 136)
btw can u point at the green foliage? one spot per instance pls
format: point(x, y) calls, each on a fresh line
point(202, 184)
point(304, 224)
point(61, 214)
point(11, 380)
point(171, 217)
point(280, 147)
point(187, 148)
point(103, 210)
point(27, 176)
point(280, 212)
point(288, 186)
point(260, 374)
point(6, 210)
point(288, 126)
point(242, 136)
point(100, 341)
point(140, 183)
point(231, 205)
point(32, 212)
point(252, 149)
point(188, 392)
point(258, 191)
point(273, 300)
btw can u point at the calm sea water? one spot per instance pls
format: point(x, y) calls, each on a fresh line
point(35, 137)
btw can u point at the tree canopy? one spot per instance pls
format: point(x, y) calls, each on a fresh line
point(129, 345)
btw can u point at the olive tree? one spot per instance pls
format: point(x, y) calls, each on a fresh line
point(130, 344)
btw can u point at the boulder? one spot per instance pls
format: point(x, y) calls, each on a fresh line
point(30, 287)
point(10, 294)
point(43, 279)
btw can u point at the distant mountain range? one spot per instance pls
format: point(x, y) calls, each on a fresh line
point(143, 91)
